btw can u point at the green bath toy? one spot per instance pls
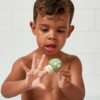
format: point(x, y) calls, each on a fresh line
point(54, 65)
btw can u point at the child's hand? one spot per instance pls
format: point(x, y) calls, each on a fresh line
point(64, 79)
point(34, 75)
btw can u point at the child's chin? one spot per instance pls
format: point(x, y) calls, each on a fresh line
point(51, 53)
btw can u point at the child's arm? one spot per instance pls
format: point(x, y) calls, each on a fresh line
point(17, 83)
point(71, 82)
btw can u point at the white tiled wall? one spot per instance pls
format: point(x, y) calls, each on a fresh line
point(16, 39)
point(97, 19)
point(5, 19)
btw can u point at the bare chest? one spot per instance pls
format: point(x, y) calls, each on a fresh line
point(52, 91)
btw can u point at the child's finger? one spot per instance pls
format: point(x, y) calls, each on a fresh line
point(24, 67)
point(42, 74)
point(41, 86)
point(41, 62)
point(59, 76)
point(66, 81)
point(29, 81)
point(34, 61)
point(66, 73)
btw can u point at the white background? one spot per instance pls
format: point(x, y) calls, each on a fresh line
point(17, 40)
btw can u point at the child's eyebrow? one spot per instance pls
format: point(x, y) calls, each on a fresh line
point(43, 25)
point(65, 27)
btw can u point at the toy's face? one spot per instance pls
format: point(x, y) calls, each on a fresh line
point(51, 32)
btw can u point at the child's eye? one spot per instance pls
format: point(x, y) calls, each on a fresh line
point(44, 30)
point(61, 31)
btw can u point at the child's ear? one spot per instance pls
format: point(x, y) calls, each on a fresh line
point(32, 25)
point(71, 28)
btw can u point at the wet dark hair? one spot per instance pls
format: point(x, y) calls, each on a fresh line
point(53, 7)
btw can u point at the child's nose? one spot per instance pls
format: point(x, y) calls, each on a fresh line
point(52, 36)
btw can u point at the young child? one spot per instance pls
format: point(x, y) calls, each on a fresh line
point(52, 27)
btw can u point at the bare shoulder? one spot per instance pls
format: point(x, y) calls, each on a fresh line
point(17, 72)
point(71, 59)
point(27, 60)
point(75, 70)
point(74, 62)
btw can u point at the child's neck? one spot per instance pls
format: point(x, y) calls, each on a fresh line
point(49, 56)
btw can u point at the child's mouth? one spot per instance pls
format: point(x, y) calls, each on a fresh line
point(50, 47)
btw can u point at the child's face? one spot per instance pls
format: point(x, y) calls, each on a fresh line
point(51, 33)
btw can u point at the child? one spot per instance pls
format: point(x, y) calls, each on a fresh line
point(52, 27)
